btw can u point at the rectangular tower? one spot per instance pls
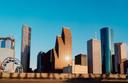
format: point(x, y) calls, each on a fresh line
point(25, 47)
point(121, 57)
point(94, 56)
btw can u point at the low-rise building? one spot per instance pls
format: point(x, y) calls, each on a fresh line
point(76, 69)
point(7, 50)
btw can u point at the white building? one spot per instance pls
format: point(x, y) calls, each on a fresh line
point(7, 50)
point(76, 69)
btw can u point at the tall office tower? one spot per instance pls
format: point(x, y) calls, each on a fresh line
point(60, 56)
point(7, 49)
point(107, 49)
point(63, 50)
point(81, 59)
point(94, 56)
point(121, 57)
point(25, 48)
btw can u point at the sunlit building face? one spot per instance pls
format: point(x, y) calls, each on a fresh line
point(63, 49)
point(56, 59)
point(94, 56)
point(120, 57)
point(67, 58)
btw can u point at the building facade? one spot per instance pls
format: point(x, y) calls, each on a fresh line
point(81, 59)
point(94, 56)
point(40, 62)
point(121, 57)
point(76, 69)
point(63, 49)
point(25, 48)
point(107, 49)
point(60, 56)
point(7, 49)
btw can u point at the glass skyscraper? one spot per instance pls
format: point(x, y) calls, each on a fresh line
point(107, 49)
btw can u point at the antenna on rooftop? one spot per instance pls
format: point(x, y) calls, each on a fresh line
point(95, 35)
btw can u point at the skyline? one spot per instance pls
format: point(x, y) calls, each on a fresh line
point(83, 20)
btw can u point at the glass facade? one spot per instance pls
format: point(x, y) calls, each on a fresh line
point(3, 44)
point(107, 49)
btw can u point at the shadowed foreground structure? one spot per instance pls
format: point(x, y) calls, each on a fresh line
point(62, 78)
point(60, 81)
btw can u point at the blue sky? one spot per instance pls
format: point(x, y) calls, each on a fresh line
point(47, 17)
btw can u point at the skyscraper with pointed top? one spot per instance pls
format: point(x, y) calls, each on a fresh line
point(63, 49)
point(61, 55)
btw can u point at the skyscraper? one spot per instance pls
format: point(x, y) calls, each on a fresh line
point(94, 56)
point(60, 56)
point(63, 49)
point(25, 48)
point(107, 49)
point(121, 57)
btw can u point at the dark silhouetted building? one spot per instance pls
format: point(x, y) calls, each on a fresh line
point(25, 48)
point(81, 59)
point(114, 66)
point(48, 62)
point(107, 49)
point(94, 56)
point(126, 66)
point(40, 61)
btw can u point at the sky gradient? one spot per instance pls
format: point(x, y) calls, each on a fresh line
point(47, 17)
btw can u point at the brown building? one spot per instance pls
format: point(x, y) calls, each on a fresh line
point(94, 56)
point(25, 48)
point(121, 57)
point(81, 59)
point(60, 56)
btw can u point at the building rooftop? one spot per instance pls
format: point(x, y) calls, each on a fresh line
point(5, 38)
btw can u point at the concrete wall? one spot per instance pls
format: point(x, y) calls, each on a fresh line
point(4, 53)
point(59, 76)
